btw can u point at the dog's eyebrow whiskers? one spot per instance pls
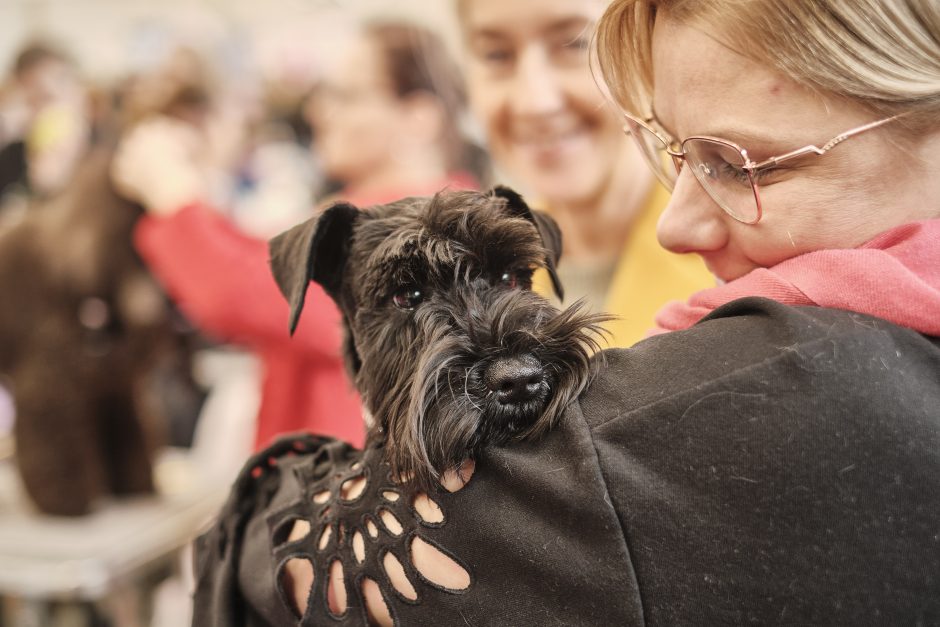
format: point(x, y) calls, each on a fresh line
point(535, 338)
point(466, 390)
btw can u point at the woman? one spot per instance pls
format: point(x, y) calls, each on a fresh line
point(45, 129)
point(777, 462)
point(549, 128)
point(386, 119)
point(385, 123)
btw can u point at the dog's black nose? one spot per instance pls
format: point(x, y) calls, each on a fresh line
point(514, 379)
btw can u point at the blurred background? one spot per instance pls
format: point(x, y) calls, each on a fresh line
point(283, 39)
point(261, 60)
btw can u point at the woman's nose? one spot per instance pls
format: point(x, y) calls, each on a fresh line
point(536, 88)
point(691, 222)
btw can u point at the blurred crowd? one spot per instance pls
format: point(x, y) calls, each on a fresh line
point(220, 168)
point(50, 117)
point(266, 156)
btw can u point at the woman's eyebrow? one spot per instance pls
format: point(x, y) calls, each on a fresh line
point(487, 36)
point(746, 138)
point(567, 25)
point(755, 142)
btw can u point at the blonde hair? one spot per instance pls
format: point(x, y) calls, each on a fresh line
point(882, 54)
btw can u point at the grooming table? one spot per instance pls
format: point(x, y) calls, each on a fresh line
point(124, 545)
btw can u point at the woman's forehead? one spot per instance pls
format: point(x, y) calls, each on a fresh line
point(703, 87)
point(482, 18)
point(356, 60)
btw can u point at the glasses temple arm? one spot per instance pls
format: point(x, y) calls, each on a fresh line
point(813, 149)
point(805, 150)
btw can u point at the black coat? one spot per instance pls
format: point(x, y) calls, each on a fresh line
point(770, 465)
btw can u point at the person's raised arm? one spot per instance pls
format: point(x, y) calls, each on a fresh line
point(219, 276)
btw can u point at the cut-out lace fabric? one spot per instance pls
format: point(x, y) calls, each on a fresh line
point(524, 536)
point(360, 517)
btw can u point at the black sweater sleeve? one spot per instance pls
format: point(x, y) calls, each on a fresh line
point(777, 465)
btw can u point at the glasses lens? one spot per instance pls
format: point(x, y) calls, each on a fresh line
point(654, 151)
point(719, 167)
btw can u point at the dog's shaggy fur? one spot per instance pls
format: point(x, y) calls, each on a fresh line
point(80, 323)
point(445, 341)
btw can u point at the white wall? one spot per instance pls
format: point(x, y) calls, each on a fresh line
point(110, 37)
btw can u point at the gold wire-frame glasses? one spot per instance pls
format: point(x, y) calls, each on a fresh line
point(722, 167)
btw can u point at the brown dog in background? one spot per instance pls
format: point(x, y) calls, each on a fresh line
point(85, 331)
point(81, 322)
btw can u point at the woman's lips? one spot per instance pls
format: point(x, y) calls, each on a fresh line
point(551, 143)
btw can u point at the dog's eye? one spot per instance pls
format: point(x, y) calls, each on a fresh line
point(407, 298)
point(517, 278)
point(509, 279)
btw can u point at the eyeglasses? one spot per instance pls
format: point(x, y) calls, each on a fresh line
point(722, 167)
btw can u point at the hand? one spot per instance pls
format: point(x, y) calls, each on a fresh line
point(158, 165)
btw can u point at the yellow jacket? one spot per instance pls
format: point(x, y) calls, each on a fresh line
point(647, 277)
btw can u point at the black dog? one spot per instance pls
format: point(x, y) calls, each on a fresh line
point(447, 344)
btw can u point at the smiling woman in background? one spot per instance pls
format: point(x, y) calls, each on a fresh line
point(386, 119)
point(549, 128)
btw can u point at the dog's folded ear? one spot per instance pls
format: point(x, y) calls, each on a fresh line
point(546, 226)
point(315, 250)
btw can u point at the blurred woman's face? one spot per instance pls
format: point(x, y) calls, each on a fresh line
point(49, 81)
point(863, 187)
point(531, 86)
point(354, 116)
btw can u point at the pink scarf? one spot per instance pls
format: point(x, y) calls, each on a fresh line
point(895, 276)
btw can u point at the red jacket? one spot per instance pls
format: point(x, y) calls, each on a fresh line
point(221, 280)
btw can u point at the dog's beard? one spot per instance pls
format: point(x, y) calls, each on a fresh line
point(447, 414)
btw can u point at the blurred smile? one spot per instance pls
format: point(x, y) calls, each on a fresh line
point(552, 142)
